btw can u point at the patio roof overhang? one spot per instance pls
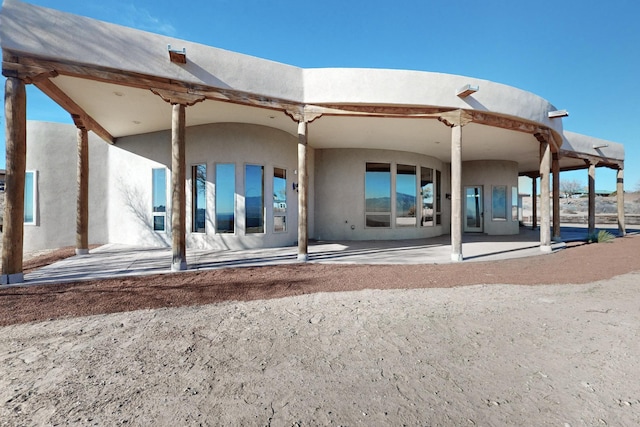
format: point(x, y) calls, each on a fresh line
point(113, 91)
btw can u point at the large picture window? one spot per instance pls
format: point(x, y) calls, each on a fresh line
point(199, 198)
point(279, 200)
point(378, 195)
point(30, 197)
point(427, 196)
point(159, 199)
point(499, 203)
point(405, 195)
point(254, 199)
point(225, 187)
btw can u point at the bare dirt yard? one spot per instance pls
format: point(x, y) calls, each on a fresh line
point(547, 340)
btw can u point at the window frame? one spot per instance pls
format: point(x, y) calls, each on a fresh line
point(34, 198)
point(217, 194)
point(388, 213)
point(280, 214)
point(423, 208)
point(503, 207)
point(156, 214)
point(262, 227)
point(195, 197)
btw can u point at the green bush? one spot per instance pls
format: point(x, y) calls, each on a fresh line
point(601, 236)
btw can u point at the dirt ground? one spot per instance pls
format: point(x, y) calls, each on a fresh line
point(551, 339)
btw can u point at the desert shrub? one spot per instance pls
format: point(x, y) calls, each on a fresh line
point(601, 236)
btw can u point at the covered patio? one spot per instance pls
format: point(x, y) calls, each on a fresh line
point(113, 260)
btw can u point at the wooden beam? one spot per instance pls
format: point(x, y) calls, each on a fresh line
point(63, 100)
point(173, 97)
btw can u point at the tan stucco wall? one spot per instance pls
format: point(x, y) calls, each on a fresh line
point(340, 201)
point(52, 153)
point(489, 173)
point(132, 160)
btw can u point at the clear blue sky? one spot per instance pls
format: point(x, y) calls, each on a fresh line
point(581, 55)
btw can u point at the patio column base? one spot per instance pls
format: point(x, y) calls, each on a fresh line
point(179, 266)
point(456, 257)
point(82, 251)
point(546, 248)
point(557, 239)
point(10, 279)
point(303, 257)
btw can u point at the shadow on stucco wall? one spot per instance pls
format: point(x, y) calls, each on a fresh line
point(133, 198)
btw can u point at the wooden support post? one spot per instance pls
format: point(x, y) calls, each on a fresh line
point(592, 198)
point(534, 203)
point(82, 211)
point(555, 166)
point(456, 193)
point(545, 199)
point(303, 192)
point(622, 231)
point(178, 192)
point(15, 107)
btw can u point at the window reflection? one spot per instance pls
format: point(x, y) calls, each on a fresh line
point(405, 195)
point(378, 194)
point(199, 203)
point(159, 198)
point(279, 200)
point(426, 193)
point(254, 199)
point(225, 197)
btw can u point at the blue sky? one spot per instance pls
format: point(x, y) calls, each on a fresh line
point(581, 55)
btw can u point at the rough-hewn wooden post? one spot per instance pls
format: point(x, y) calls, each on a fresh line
point(179, 102)
point(555, 166)
point(456, 193)
point(178, 192)
point(82, 210)
point(303, 192)
point(545, 199)
point(15, 107)
point(622, 231)
point(592, 198)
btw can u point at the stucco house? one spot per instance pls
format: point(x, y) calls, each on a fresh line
point(190, 146)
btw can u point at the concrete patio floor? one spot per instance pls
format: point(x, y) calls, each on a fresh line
point(114, 260)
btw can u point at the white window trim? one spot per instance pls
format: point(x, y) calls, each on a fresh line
point(284, 214)
point(166, 202)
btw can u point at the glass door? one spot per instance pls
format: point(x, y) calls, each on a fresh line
point(473, 211)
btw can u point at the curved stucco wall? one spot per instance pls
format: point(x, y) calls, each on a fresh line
point(132, 160)
point(49, 33)
point(487, 174)
point(402, 87)
point(52, 154)
point(65, 37)
point(340, 200)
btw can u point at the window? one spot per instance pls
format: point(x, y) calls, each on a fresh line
point(514, 204)
point(377, 190)
point(254, 199)
point(426, 194)
point(159, 198)
point(199, 198)
point(499, 203)
point(225, 197)
point(279, 200)
point(405, 195)
point(30, 197)
point(438, 198)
